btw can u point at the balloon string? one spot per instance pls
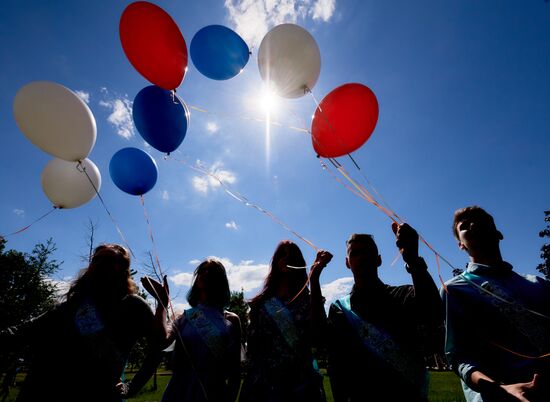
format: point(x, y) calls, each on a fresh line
point(308, 280)
point(171, 321)
point(246, 202)
point(81, 168)
point(150, 230)
point(169, 308)
point(520, 354)
point(242, 117)
point(368, 196)
point(32, 223)
point(369, 183)
point(364, 193)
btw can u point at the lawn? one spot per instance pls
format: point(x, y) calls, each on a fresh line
point(444, 387)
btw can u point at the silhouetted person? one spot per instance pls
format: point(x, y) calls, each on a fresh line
point(286, 322)
point(207, 351)
point(498, 322)
point(379, 334)
point(80, 348)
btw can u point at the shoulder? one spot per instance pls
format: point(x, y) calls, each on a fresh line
point(335, 310)
point(232, 318)
point(137, 305)
point(456, 282)
point(400, 291)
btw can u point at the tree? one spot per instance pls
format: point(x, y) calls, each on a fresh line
point(239, 306)
point(26, 288)
point(544, 267)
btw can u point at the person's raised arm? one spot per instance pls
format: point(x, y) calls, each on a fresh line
point(425, 290)
point(161, 293)
point(158, 337)
point(318, 314)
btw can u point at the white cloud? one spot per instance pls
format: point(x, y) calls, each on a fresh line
point(61, 287)
point(231, 225)
point(165, 195)
point(182, 279)
point(19, 212)
point(121, 114)
point(336, 289)
point(179, 307)
point(245, 274)
point(212, 127)
point(203, 184)
point(253, 18)
point(85, 96)
point(323, 10)
point(250, 276)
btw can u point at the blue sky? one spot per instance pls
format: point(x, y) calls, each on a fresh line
point(464, 95)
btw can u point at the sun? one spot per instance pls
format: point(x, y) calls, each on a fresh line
point(269, 102)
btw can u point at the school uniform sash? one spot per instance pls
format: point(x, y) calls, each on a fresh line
point(383, 346)
point(284, 321)
point(528, 322)
point(209, 332)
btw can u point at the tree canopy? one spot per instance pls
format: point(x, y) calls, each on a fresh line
point(26, 288)
point(544, 266)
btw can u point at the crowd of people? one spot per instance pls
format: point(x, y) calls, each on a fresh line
point(492, 324)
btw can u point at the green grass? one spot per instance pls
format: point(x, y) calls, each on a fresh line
point(444, 387)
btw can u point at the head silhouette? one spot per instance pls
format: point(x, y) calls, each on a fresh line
point(107, 277)
point(210, 285)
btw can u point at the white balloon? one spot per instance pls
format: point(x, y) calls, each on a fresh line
point(55, 119)
point(67, 184)
point(289, 60)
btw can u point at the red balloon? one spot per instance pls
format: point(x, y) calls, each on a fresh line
point(154, 44)
point(344, 120)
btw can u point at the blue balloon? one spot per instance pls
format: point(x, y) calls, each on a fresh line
point(133, 171)
point(161, 118)
point(219, 52)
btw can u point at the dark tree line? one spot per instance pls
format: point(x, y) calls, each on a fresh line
point(544, 266)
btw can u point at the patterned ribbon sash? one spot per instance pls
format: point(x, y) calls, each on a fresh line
point(527, 322)
point(283, 320)
point(382, 345)
point(209, 332)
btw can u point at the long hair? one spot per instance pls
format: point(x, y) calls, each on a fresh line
point(214, 283)
point(107, 277)
point(292, 254)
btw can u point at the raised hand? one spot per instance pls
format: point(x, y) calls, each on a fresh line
point(160, 292)
point(406, 239)
point(322, 259)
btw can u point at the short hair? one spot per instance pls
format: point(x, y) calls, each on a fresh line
point(362, 238)
point(473, 211)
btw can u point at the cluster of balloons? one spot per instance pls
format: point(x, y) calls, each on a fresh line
point(289, 62)
point(156, 48)
point(57, 121)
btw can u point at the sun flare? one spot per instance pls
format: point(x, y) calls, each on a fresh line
point(269, 102)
